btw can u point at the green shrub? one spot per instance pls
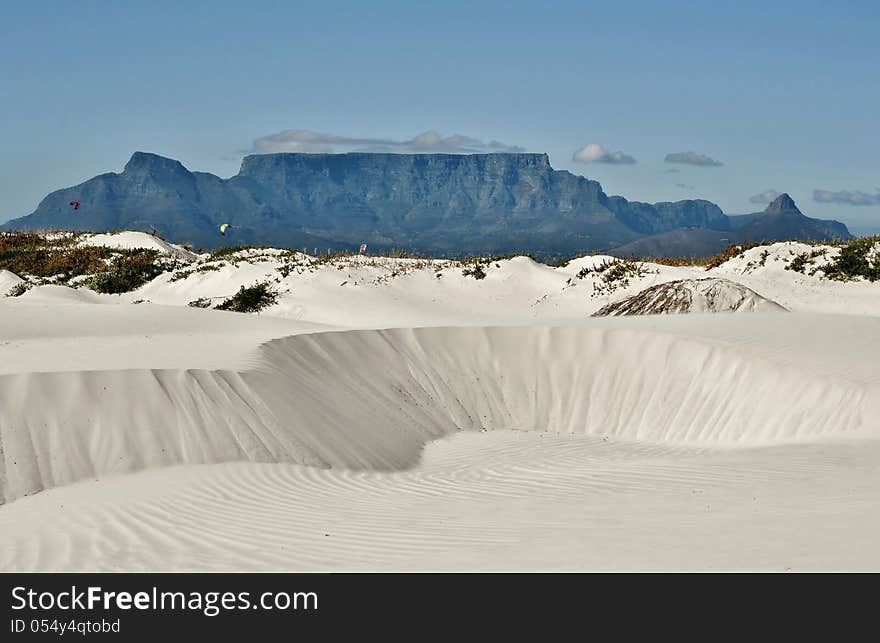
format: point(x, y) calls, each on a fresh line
point(179, 274)
point(183, 274)
point(673, 261)
point(75, 261)
point(19, 289)
point(799, 263)
point(614, 269)
point(731, 251)
point(250, 299)
point(128, 272)
point(226, 252)
point(614, 274)
point(858, 258)
point(476, 271)
point(622, 269)
point(24, 253)
point(29, 253)
point(804, 259)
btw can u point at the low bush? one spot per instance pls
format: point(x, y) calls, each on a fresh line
point(250, 299)
point(75, 261)
point(677, 262)
point(31, 253)
point(19, 289)
point(802, 260)
point(129, 271)
point(476, 271)
point(614, 274)
point(731, 251)
point(226, 252)
point(858, 258)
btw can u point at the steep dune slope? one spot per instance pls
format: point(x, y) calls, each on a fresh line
point(373, 399)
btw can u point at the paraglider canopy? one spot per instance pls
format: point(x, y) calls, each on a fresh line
point(223, 227)
point(75, 204)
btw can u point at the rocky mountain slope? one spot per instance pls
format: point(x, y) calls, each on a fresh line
point(437, 204)
point(781, 220)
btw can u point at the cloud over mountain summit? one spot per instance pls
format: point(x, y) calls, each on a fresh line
point(430, 142)
point(596, 153)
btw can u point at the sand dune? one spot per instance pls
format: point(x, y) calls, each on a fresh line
point(129, 240)
point(401, 414)
point(373, 399)
point(478, 501)
point(684, 296)
point(8, 281)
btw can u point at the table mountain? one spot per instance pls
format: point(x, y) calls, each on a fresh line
point(439, 204)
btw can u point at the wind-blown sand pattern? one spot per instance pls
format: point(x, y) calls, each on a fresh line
point(709, 295)
point(500, 428)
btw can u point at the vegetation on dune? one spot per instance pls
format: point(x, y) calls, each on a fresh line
point(804, 259)
point(613, 269)
point(731, 251)
point(18, 289)
point(612, 274)
point(475, 270)
point(476, 266)
point(31, 253)
point(227, 252)
point(250, 299)
point(858, 258)
point(676, 262)
point(736, 250)
point(128, 271)
point(183, 274)
point(58, 258)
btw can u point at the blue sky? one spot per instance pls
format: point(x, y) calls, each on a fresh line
point(785, 95)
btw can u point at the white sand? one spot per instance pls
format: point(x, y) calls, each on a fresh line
point(132, 240)
point(8, 281)
point(744, 441)
point(479, 501)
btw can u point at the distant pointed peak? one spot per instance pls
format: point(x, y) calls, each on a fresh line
point(146, 162)
point(782, 203)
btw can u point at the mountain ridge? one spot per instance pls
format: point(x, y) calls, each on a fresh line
point(446, 204)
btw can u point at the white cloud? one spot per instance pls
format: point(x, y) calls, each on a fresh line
point(764, 197)
point(595, 153)
point(692, 158)
point(308, 141)
point(846, 197)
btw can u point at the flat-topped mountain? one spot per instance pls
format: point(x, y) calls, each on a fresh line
point(449, 204)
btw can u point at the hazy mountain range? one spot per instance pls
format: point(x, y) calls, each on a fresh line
point(437, 204)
